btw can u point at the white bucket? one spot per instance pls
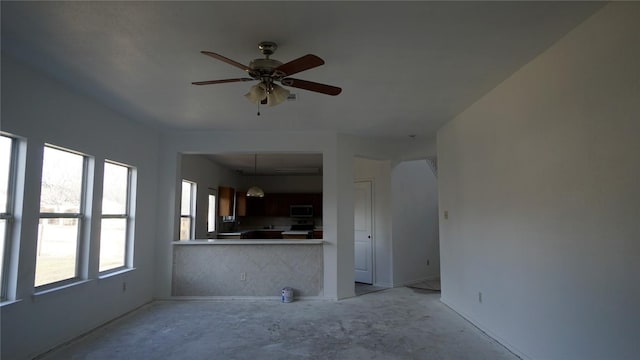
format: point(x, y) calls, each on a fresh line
point(287, 295)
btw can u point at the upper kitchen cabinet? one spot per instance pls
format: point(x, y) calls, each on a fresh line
point(241, 203)
point(255, 206)
point(278, 205)
point(225, 201)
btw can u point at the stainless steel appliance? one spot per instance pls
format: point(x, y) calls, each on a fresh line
point(301, 211)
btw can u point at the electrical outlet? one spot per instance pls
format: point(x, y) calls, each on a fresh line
point(243, 276)
point(480, 297)
point(446, 214)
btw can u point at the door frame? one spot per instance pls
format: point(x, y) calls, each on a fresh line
point(373, 227)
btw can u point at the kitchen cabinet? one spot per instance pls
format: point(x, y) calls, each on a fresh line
point(227, 236)
point(241, 203)
point(296, 234)
point(277, 205)
point(269, 234)
point(255, 206)
point(272, 205)
point(225, 201)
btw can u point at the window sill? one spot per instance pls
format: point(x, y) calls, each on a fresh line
point(39, 293)
point(113, 273)
point(9, 302)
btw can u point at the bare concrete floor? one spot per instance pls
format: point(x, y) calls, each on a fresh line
point(399, 323)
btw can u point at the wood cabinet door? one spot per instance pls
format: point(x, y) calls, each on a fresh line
point(255, 206)
point(225, 200)
point(241, 203)
point(271, 205)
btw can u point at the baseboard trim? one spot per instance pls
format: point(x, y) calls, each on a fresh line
point(415, 281)
point(514, 350)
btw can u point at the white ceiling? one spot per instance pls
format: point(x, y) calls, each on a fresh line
point(405, 67)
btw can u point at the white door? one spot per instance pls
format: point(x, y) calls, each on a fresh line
point(363, 238)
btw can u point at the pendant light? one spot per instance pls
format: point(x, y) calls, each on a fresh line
point(255, 191)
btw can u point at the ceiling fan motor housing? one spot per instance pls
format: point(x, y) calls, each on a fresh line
point(265, 68)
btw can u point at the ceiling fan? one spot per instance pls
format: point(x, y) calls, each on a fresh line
point(269, 71)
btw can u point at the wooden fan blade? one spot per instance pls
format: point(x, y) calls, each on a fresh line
point(227, 60)
point(220, 81)
point(312, 86)
point(306, 62)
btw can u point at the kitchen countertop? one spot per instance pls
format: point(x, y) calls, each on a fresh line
point(250, 242)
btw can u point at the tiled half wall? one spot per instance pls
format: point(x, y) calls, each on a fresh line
point(219, 270)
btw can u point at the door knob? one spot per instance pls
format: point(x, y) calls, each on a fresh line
point(369, 236)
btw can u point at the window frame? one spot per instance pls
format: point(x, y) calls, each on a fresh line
point(81, 216)
point(8, 215)
point(129, 236)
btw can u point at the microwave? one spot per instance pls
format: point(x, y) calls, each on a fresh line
point(301, 211)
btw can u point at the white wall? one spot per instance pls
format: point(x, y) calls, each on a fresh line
point(541, 178)
point(379, 173)
point(414, 195)
point(42, 110)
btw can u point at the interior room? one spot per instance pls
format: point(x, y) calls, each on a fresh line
point(223, 156)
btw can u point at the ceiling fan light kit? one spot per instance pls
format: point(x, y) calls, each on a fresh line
point(260, 94)
point(268, 71)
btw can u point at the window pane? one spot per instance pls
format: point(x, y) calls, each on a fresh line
point(185, 228)
point(61, 181)
point(5, 166)
point(57, 249)
point(113, 236)
point(211, 219)
point(114, 196)
point(185, 203)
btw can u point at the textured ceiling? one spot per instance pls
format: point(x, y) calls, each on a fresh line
point(405, 67)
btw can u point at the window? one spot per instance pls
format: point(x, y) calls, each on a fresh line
point(211, 216)
point(61, 213)
point(187, 210)
point(116, 204)
point(7, 174)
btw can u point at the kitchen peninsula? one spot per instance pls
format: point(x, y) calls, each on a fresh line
point(247, 267)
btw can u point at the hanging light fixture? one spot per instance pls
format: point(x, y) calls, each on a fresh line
point(255, 191)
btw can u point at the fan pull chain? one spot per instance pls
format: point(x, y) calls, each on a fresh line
point(258, 108)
